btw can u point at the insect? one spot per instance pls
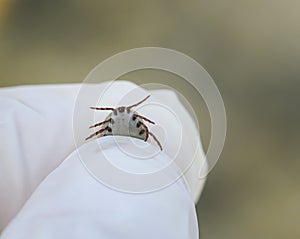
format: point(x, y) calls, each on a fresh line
point(124, 121)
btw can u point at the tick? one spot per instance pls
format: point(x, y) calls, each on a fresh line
point(124, 121)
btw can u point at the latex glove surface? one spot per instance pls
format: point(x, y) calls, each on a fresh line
point(36, 125)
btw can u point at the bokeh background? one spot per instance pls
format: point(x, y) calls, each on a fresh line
point(252, 50)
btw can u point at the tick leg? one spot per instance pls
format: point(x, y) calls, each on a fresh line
point(144, 118)
point(156, 140)
point(146, 130)
point(129, 107)
point(98, 132)
point(106, 108)
point(98, 124)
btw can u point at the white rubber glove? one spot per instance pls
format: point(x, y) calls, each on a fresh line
point(36, 125)
point(71, 203)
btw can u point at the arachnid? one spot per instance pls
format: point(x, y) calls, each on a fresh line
point(124, 121)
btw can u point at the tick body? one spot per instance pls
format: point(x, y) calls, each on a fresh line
point(124, 121)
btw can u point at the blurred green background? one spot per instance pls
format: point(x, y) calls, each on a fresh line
point(250, 48)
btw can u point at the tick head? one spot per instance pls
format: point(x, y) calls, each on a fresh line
point(121, 109)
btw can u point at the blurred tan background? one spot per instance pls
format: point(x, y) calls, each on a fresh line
point(252, 50)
